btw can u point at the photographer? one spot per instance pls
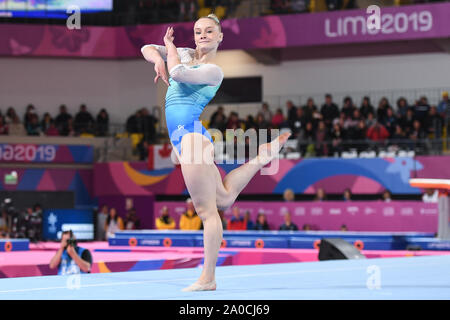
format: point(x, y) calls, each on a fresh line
point(71, 259)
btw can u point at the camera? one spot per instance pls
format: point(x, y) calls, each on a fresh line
point(72, 242)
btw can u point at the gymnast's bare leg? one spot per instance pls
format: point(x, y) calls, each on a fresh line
point(207, 191)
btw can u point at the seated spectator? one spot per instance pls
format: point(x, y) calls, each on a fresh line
point(10, 115)
point(265, 111)
point(113, 224)
point(3, 126)
point(402, 107)
point(62, 121)
point(52, 130)
point(33, 128)
point(102, 123)
point(132, 221)
point(298, 123)
point(377, 132)
point(233, 121)
point(70, 258)
point(320, 195)
point(390, 121)
point(218, 120)
point(407, 122)
point(337, 135)
point(288, 225)
point(329, 110)
point(343, 228)
point(387, 196)
point(133, 123)
point(421, 109)
point(306, 140)
point(382, 109)
point(165, 221)
point(366, 107)
point(321, 138)
point(370, 121)
point(250, 123)
point(431, 196)
point(248, 219)
point(306, 227)
point(30, 113)
point(84, 122)
point(236, 222)
point(261, 222)
point(291, 113)
point(278, 118)
point(348, 108)
point(148, 126)
point(433, 123)
point(16, 128)
point(45, 122)
point(347, 195)
point(288, 195)
point(190, 220)
point(260, 122)
point(417, 132)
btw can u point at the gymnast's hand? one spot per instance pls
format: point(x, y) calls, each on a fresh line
point(160, 69)
point(169, 37)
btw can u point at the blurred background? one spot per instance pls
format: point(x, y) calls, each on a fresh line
point(83, 138)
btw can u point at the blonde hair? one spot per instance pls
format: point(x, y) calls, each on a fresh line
point(214, 18)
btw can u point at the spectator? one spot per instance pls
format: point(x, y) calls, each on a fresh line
point(237, 222)
point(337, 137)
point(16, 128)
point(322, 138)
point(190, 220)
point(133, 123)
point(320, 195)
point(45, 122)
point(407, 122)
point(306, 227)
point(390, 121)
point(348, 108)
point(430, 196)
point(291, 113)
point(387, 196)
point(288, 225)
point(360, 134)
point(148, 126)
point(248, 219)
point(402, 107)
point(382, 109)
point(33, 223)
point(277, 119)
point(329, 110)
point(132, 221)
point(62, 121)
point(347, 195)
point(310, 111)
point(261, 122)
point(233, 121)
point(370, 121)
point(70, 258)
point(250, 123)
point(265, 111)
point(434, 127)
point(288, 195)
point(421, 109)
point(306, 140)
point(218, 120)
point(102, 123)
point(366, 107)
point(418, 135)
point(443, 109)
point(113, 224)
point(52, 130)
point(102, 215)
point(3, 126)
point(33, 128)
point(84, 122)
point(261, 222)
point(165, 221)
point(398, 138)
point(10, 115)
point(377, 132)
point(298, 123)
point(30, 113)
point(343, 228)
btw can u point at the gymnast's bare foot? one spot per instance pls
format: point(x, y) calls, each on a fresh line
point(210, 286)
point(268, 151)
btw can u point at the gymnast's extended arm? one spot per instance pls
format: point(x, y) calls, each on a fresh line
point(209, 74)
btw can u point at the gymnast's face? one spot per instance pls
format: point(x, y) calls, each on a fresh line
point(207, 34)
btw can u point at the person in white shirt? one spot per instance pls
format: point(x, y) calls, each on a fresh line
point(430, 196)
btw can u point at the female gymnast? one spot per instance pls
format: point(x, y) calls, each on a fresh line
point(193, 82)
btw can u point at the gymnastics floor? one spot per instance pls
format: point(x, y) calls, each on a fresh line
point(414, 278)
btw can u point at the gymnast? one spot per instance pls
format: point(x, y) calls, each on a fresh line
point(193, 82)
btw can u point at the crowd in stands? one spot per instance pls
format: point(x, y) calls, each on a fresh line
point(16, 223)
point(330, 129)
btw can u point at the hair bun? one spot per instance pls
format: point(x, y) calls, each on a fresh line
point(214, 17)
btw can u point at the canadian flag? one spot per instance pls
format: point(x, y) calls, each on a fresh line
point(159, 156)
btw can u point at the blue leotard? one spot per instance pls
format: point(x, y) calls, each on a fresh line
point(184, 104)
